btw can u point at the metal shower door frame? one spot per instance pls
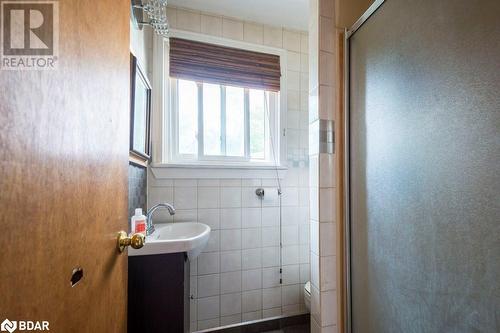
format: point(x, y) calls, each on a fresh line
point(348, 33)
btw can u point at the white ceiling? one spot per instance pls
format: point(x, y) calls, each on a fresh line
point(287, 13)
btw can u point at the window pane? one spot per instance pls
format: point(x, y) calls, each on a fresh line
point(235, 121)
point(211, 119)
point(258, 118)
point(188, 117)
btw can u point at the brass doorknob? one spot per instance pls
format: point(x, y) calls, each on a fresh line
point(136, 241)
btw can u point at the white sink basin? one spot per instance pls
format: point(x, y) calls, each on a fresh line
point(190, 237)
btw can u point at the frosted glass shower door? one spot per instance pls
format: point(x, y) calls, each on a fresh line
point(424, 167)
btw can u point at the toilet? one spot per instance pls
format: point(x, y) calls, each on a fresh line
point(307, 295)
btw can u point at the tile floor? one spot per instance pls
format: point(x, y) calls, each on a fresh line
point(305, 328)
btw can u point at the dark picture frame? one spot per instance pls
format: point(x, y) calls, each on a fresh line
point(140, 111)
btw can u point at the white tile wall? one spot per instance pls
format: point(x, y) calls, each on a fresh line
point(271, 298)
point(230, 197)
point(270, 256)
point(272, 312)
point(210, 217)
point(270, 236)
point(208, 308)
point(208, 263)
point(208, 285)
point(185, 197)
point(253, 33)
point(290, 255)
point(231, 261)
point(323, 80)
point(290, 294)
point(251, 279)
point(213, 244)
point(208, 197)
point(230, 320)
point(273, 36)
point(327, 274)
point(252, 301)
point(250, 316)
point(291, 40)
point(270, 216)
point(211, 25)
point(230, 239)
point(205, 324)
point(251, 218)
point(230, 218)
point(230, 304)
point(237, 276)
point(188, 20)
point(251, 238)
point(291, 274)
point(230, 282)
point(232, 29)
point(270, 277)
point(252, 258)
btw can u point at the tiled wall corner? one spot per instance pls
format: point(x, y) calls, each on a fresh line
point(323, 85)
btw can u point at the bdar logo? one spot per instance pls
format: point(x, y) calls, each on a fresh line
point(24, 325)
point(9, 326)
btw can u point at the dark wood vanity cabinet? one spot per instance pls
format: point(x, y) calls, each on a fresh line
point(158, 293)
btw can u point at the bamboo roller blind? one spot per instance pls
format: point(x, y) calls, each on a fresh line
point(211, 63)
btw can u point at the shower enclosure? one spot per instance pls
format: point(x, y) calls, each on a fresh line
point(423, 155)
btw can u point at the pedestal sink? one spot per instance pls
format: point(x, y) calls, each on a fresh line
point(190, 237)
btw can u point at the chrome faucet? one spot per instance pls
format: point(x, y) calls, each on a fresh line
point(150, 228)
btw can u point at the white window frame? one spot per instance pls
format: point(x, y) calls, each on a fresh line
point(272, 130)
point(165, 163)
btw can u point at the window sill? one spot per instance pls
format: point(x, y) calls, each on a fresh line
point(216, 171)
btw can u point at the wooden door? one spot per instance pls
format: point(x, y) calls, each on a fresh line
point(63, 176)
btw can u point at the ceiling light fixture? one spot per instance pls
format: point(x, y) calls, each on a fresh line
point(152, 13)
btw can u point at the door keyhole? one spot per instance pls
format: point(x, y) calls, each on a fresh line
point(76, 276)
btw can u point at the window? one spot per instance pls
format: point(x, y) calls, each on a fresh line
point(224, 105)
point(216, 123)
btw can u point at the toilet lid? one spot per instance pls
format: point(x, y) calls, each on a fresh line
point(307, 287)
